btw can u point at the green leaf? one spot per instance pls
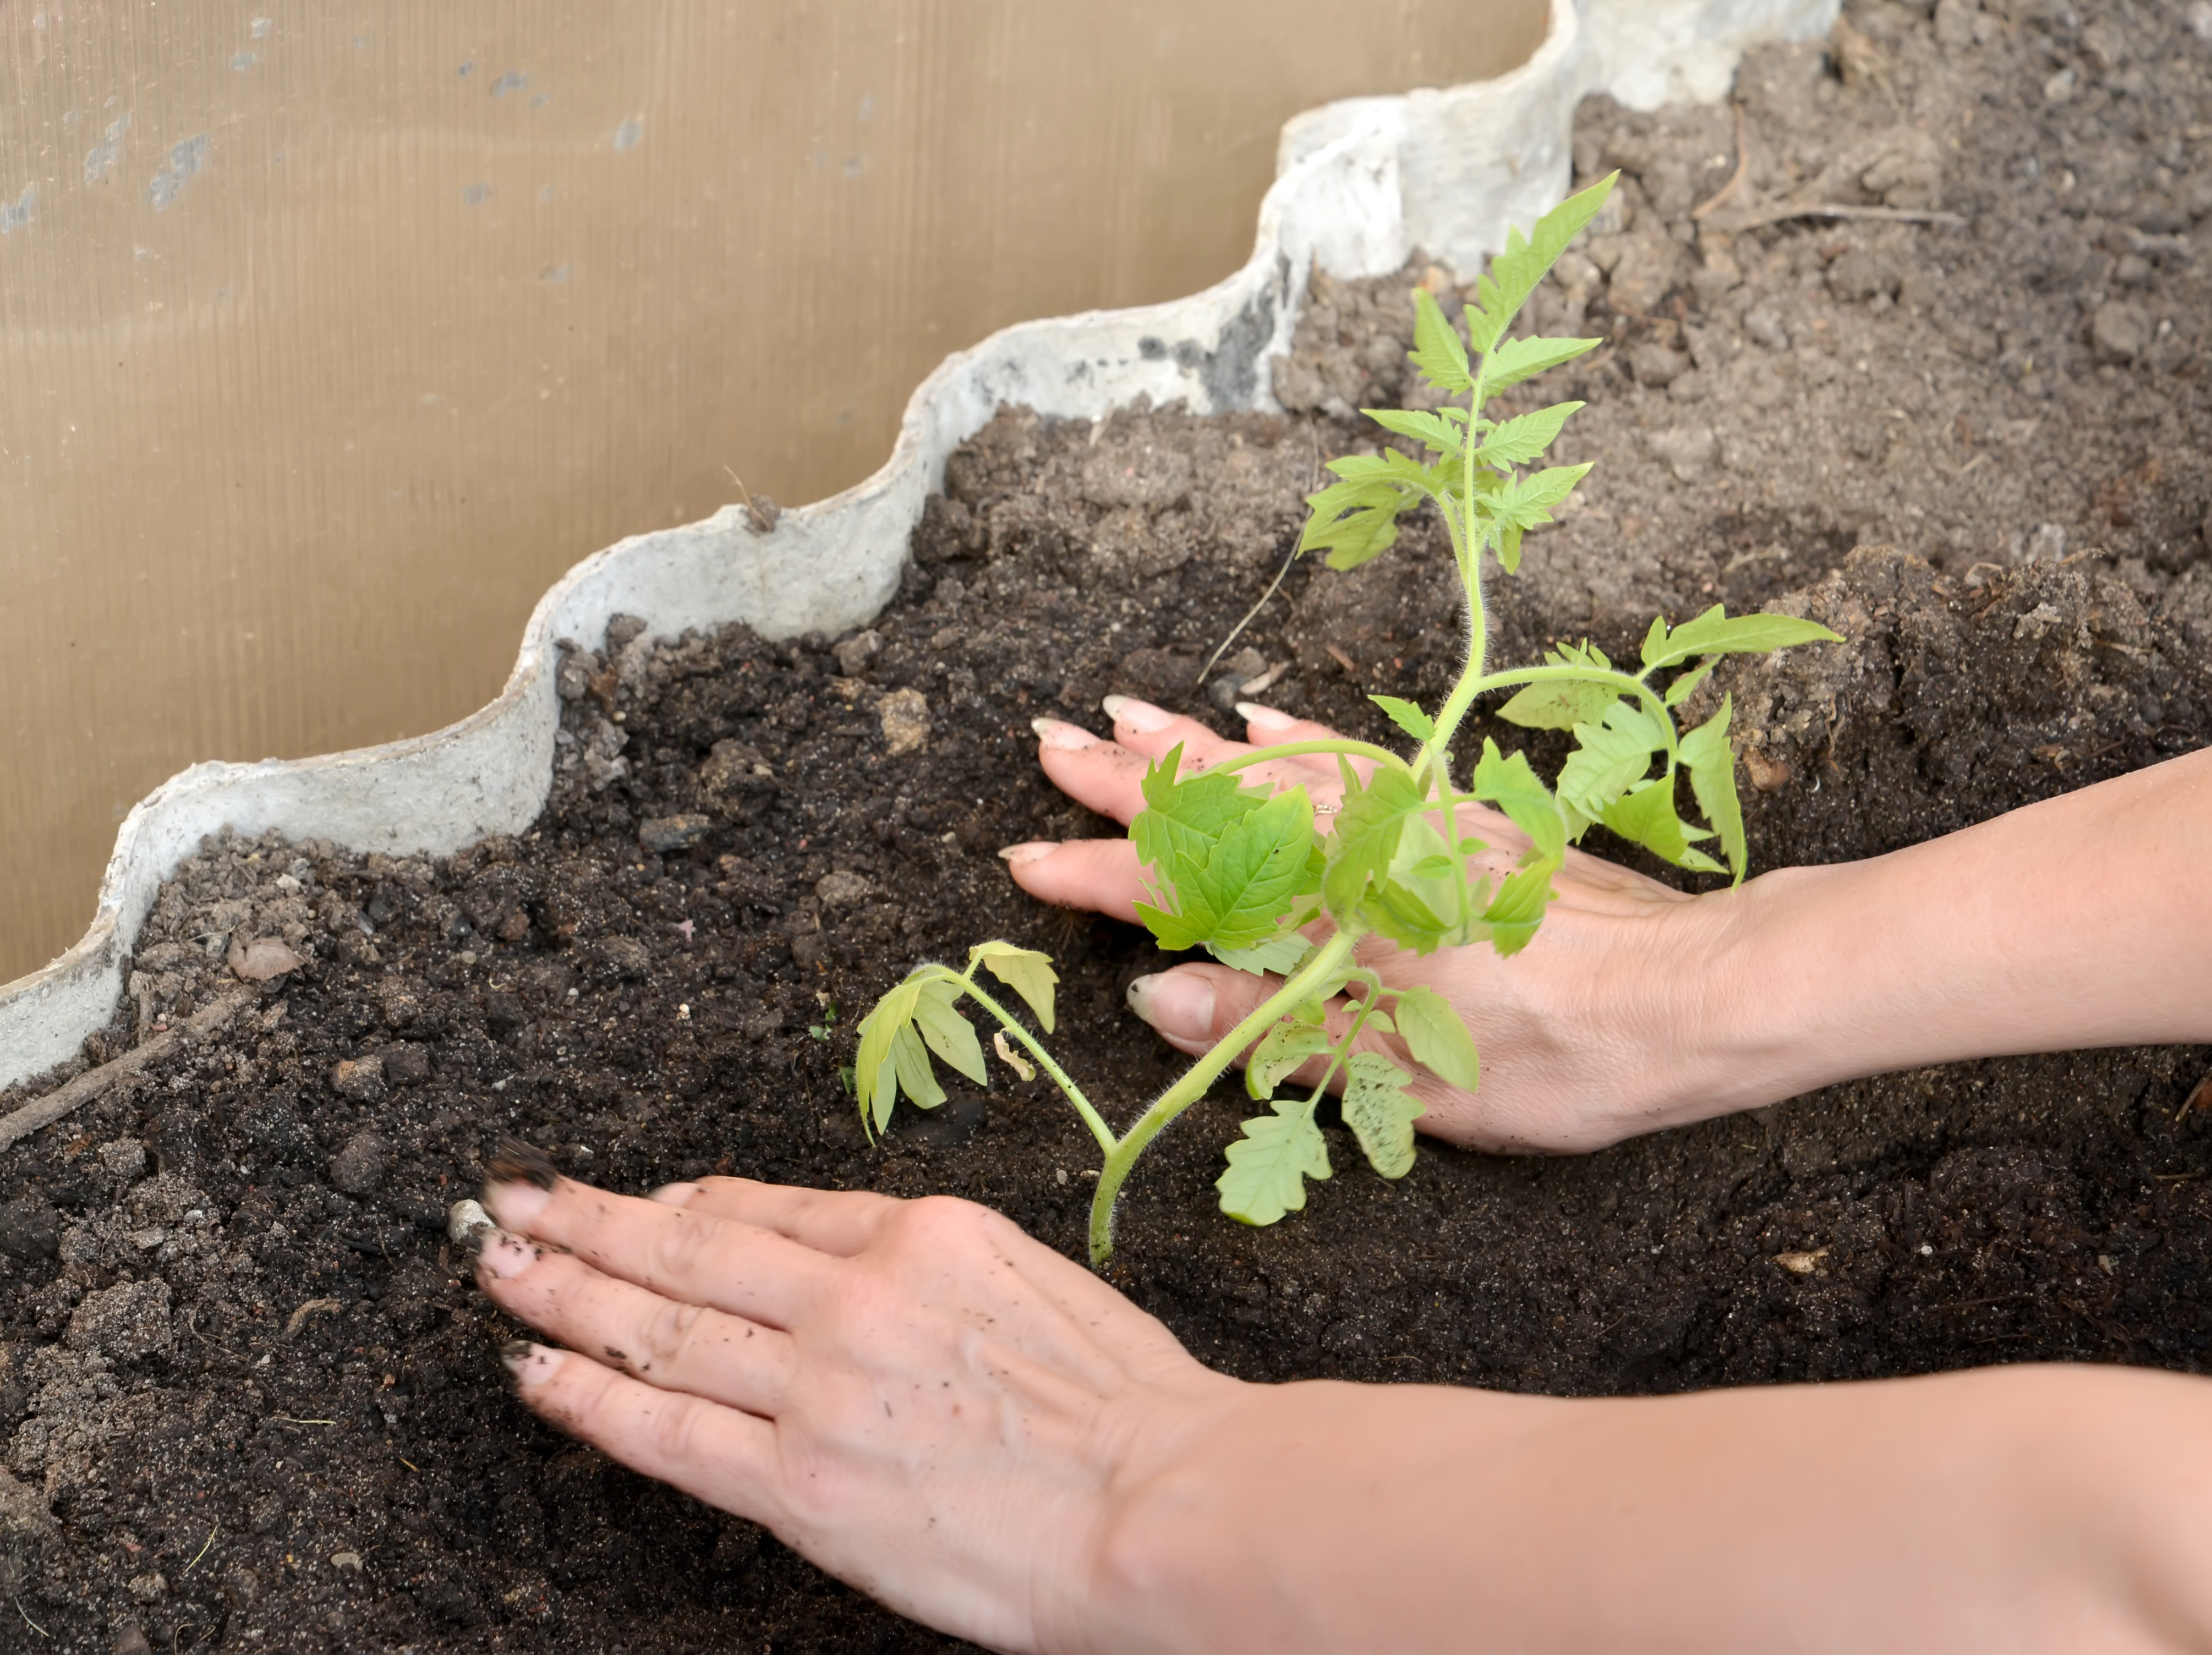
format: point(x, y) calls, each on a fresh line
point(1610, 757)
point(911, 1060)
point(876, 1088)
point(1504, 286)
point(1281, 1050)
point(1520, 439)
point(1437, 1037)
point(1524, 358)
point(1280, 954)
point(1686, 685)
point(1513, 787)
point(1645, 815)
point(1440, 432)
point(1716, 633)
point(1269, 1165)
point(1710, 761)
point(1248, 884)
point(948, 1034)
point(1406, 716)
point(1526, 501)
point(1557, 705)
point(1025, 970)
point(1187, 816)
point(1379, 1112)
point(1513, 915)
point(1436, 350)
point(1369, 825)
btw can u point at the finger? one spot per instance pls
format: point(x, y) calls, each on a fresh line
point(694, 1257)
point(1101, 875)
point(717, 1454)
point(840, 1221)
point(1103, 775)
point(678, 1347)
point(1268, 728)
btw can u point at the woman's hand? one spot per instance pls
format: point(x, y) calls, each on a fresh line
point(913, 1394)
point(1586, 1036)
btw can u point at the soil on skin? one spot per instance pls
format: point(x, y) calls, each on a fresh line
point(249, 1398)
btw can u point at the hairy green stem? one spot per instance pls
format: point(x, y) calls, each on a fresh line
point(1326, 962)
point(1061, 1078)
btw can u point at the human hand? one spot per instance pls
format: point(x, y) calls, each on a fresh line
point(915, 1395)
point(1587, 1035)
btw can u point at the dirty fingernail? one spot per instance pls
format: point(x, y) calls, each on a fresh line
point(1060, 734)
point(674, 1195)
point(515, 1204)
point(505, 1256)
point(1178, 1004)
point(530, 1363)
point(1140, 716)
point(1252, 713)
point(1020, 856)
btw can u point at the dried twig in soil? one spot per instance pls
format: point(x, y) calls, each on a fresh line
point(44, 1111)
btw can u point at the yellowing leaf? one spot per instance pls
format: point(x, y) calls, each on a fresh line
point(1269, 1165)
point(1381, 1112)
point(948, 1034)
point(1438, 1039)
point(1281, 1050)
point(1025, 970)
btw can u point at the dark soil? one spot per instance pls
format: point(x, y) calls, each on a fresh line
point(251, 1400)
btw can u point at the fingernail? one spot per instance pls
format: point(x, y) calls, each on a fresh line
point(1178, 1004)
point(1252, 713)
point(515, 1204)
point(505, 1256)
point(1063, 736)
point(530, 1363)
point(1140, 716)
point(1020, 856)
point(674, 1195)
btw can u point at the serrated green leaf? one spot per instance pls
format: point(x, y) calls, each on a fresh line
point(1520, 438)
point(1186, 816)
point(1405, 916)
point(1281, 1050)
point(1686, 686)
point(1406, 716)
point(1557, 705)
point(1512, 276)
point(1716, 633)
point(1610, 757)
point(1526, 501)
point(1438, 351)
point(1381, 1112)
point(1524, 358)
point(1280, 954)
point(948, 1034)
point(1512, 917)
point(1269, 1165)
point(1645, 815)
point(1025, 970)
point(1706, 755)
point(1436, 1037)
point(1249, 882)
point(911, 1058)
point(875, 1075)
point(1437, 432)
point(1369, 825)
point(1514, 788)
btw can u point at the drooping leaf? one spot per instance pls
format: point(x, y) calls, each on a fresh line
point(1438, 351)
point(1369, 825)
point(1514, 788)
point(1025, 970)
point(1281, 1050)
point(948, 1034)
point(1524, 358)
point(875, 1075)
point(1406, 716)
point(1710, 761)
point(1520, 439)
point(1512, 276)
point(1437, 1037)
point(1645, 815)
point(1439, 432)
point(1686, 685)
point(1269, 1165)
point(1511, 917)
point(911, 1058)
point(1610, 757)
point(1280, 954)
point(1557, 705)
point(1717, 632)
point(1381, 1112)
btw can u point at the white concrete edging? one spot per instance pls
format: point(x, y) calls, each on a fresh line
point(1359, 185)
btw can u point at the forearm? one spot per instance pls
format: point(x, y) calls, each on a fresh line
point(2081, 921)
point(2015, 1510)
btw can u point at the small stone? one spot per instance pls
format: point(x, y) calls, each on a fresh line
point(841, 889)
point(465, 1219)
point(1765, 326)
point(127, 1321)
point(146, 1588)
point(856, 651)
point(361, 1079)
point(1687, 450)
point(2199, 16)
point(359, 1167)
point(2059, 89)
point(905, 714)
point(661, 834)
point(1800, 1264)
point(30, 1228)
point(2119, 330)
point(2046, 545)
point(346, 1560)
point(262, 959)
point(125, 1158)
point(625, 956)
point(406, 1065)
point(1655, 363)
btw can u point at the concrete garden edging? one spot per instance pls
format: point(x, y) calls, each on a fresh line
point(1359, 183)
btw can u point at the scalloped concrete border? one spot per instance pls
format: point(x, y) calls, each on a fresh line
point(1359, 183)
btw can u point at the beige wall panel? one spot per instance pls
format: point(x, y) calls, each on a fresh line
point(330, 335)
